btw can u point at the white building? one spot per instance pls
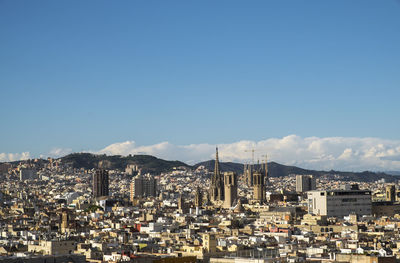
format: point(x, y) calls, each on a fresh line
point(339, 203)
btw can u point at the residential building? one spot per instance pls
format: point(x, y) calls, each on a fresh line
point(339, 203)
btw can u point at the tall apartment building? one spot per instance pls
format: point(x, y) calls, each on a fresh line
point(339, 203)
point(305, 183)
point(4, 168)
point(27, 174)
point(143, 186)
point(100, 183)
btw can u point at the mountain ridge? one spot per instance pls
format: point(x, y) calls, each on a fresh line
point(156, 165)
point(152, 164)
point(280, 170)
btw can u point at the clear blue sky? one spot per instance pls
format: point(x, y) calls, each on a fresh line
point(85, 74)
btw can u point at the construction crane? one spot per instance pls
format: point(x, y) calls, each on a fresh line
point(252, 155)
point(266, 163)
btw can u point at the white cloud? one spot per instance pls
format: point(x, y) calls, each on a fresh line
point(340, 153)
point(10, 157)
point(59, 152)
point(55, 152)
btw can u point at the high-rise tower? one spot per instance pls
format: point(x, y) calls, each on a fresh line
point(198, 199)
point(143, 186)
point(217, 183)
point(305, 183)
point(100, 183)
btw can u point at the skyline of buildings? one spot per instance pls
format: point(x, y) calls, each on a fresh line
point(173, 217)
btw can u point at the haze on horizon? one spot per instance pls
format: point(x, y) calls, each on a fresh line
point(314, 84)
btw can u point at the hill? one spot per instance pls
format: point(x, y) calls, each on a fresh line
point(279, 170)
point(155, 165)
point(148, 163)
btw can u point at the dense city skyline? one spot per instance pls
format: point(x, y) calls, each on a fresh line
point(272, 128)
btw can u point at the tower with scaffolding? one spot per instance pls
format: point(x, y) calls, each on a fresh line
point(256, 176)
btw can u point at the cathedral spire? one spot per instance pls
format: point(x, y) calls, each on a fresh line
point(216, 168)
point(217, 182)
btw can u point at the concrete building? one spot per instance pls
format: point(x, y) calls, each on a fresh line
point(209, 242)
point(27, 174)
point(4, 168)
point(52, 247)
point(182, 207)
point(100, 183)
point(143, 186)
point(230, 184)
point(385, 208)
point(354, 258)
point(44, 259)
point(305, 183)
point(198, 200)
point(339, 203)
point(390, 193)
point(131, 169)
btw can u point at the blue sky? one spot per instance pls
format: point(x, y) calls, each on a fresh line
point(86, 74)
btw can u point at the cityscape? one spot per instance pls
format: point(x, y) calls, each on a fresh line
point(54, 212)
point(176, 131)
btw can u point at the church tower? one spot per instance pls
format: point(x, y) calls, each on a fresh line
point(258, 186)
point(217, 183)
point(230, 182)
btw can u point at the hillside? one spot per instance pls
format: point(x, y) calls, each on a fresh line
point(279, 170)
point(148, 163)
point(155, 165)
